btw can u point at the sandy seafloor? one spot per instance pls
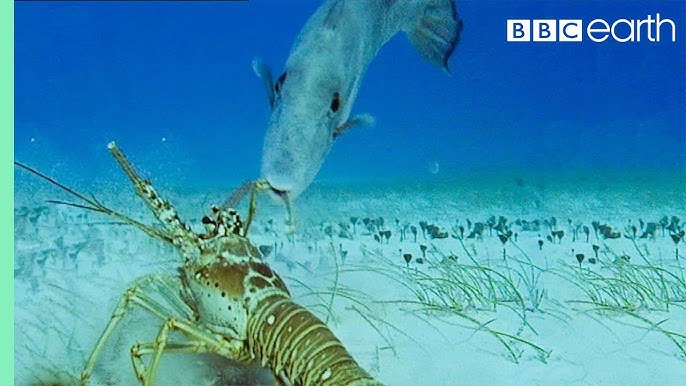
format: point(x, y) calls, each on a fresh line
point(71, 266)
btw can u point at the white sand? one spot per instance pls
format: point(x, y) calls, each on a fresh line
point(71, 267)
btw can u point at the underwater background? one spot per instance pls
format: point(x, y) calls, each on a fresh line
point(172, 82)
point(518, 221)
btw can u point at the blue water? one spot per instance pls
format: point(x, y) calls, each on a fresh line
point(172, 82)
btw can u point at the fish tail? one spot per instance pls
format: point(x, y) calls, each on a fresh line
point(436, 31)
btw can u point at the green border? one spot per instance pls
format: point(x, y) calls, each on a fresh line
point(7, 192)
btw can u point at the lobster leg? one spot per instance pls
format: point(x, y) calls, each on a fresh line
point(201, 341)
point(139, 349)
point(134, 296)
point(290, 217)
point(255, 187)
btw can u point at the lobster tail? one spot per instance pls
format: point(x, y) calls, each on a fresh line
point(291, 339)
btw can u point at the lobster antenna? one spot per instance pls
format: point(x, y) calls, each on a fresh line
point(94, 205)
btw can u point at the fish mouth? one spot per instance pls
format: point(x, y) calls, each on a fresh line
point(285, 197)
point(276, 188)
point(280, 195)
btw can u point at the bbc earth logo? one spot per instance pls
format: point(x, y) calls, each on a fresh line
point(597, 30)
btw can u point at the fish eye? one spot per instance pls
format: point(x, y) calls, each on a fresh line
point(335, 102)
point(279, 82)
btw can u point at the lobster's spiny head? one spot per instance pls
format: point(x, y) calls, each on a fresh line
point(229, 278)
point(223, 240)
point(222, 222)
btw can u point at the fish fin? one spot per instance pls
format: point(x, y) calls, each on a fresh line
point(357, 120)
point(263, 72)
point(436, 32)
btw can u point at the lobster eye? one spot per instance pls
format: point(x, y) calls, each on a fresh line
point(335, 102)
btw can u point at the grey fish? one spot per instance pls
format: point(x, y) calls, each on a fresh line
point(312, 99)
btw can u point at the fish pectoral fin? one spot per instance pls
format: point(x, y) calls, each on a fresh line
point(263, 72)
point(436, 32)
point(357, 120)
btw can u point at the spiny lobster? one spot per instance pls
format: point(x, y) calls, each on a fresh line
point(226, 299)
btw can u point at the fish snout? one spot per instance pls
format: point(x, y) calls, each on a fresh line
point(282, 170)
point(293, 150)
point(280, 186)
